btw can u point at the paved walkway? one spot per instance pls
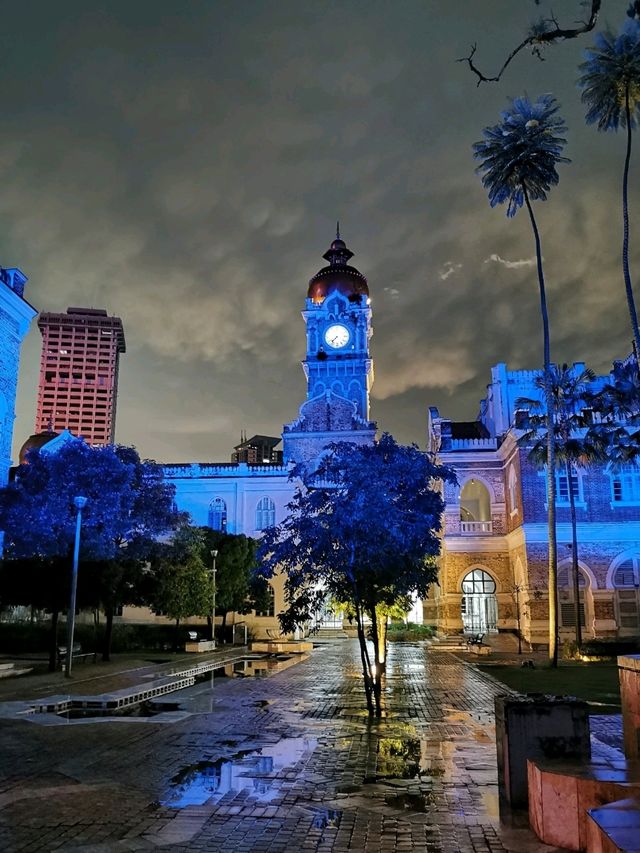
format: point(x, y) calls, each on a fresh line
point(274, 765)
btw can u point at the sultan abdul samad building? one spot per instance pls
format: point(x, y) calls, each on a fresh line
point(494, 550)
point(242, 497)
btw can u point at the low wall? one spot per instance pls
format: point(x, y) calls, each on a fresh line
point(629, 673)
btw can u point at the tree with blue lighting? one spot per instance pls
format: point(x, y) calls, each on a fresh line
point(362, 529)
point(610, 85)
point(129, 507)
point(519, 156)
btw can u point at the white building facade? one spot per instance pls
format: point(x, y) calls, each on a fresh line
point(15, 318)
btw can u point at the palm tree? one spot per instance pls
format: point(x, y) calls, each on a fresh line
point(611, 90)
point(519, 157)
point(617, 406)
point(574, 444)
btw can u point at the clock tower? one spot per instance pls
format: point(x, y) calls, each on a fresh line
point(338, 366)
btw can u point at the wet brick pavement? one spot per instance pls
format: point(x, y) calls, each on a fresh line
point(272, 765)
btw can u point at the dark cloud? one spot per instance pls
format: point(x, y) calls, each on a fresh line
point(182, 165)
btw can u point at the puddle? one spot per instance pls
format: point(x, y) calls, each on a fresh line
point(325, 818)
point(197, 698)
point(252, 667)
point(412, 802)
point(144, 709)
point(490, 801)
point(254, 771)
point(398, 758)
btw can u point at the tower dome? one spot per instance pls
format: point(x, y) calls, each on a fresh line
point(338, 275)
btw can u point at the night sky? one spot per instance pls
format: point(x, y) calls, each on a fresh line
point(182, 164)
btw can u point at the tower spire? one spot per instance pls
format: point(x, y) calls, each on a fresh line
point(338, 230)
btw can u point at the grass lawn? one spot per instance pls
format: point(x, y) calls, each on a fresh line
point(595, 682)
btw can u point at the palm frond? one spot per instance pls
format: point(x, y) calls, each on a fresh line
point(610, 75)
point(571, 415)
point(522, 152)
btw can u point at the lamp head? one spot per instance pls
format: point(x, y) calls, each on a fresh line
point(214, 554)
point(79, 502)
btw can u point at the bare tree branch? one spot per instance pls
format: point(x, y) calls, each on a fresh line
point(546, 32)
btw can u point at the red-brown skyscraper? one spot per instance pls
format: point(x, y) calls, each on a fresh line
point(78, 386)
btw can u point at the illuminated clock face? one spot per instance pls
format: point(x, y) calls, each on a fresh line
point(337, 336)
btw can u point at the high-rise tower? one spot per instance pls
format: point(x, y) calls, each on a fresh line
point(78, 385)
point(338, 366)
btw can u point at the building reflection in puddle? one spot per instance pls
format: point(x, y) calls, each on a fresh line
point(253, 771)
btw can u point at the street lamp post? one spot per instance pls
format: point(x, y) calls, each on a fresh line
point(214, 554)
point(79, 502)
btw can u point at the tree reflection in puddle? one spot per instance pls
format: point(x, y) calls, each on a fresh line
point(254, 771)
point(398, 758)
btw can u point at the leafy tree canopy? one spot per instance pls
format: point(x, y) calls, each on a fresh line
point(129, 504)
point(362, 529)
point(238, 588)
point(182, 582)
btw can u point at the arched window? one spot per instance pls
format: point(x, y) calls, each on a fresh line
point(626, 582)
point(513, 489)
point(478, 581)
point(567, 597)
point(475, 508)
point(218, 514)
point(265, 514)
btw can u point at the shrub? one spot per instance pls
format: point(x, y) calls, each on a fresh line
point(610, 648)
point(398, 632)
point(31, 638)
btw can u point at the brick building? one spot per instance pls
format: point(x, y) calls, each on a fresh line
point(494, 556)
point(78, 386)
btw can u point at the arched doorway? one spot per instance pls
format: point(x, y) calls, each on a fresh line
point(475, 508)
point(479, 604)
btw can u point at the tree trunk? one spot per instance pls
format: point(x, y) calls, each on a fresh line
point(108, 634)
point(575, 571)
point(364, 657)
point(518, 620)
point(382, 642)
point(377, 673)
point(175, 635)
point(551, 454)
point(625, 239)
point(224, 624)
point(53, 641)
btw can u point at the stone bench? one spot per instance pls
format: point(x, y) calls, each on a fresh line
point(282, 647)
point(76, 655)
point(561, 793)
point(199, 646)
